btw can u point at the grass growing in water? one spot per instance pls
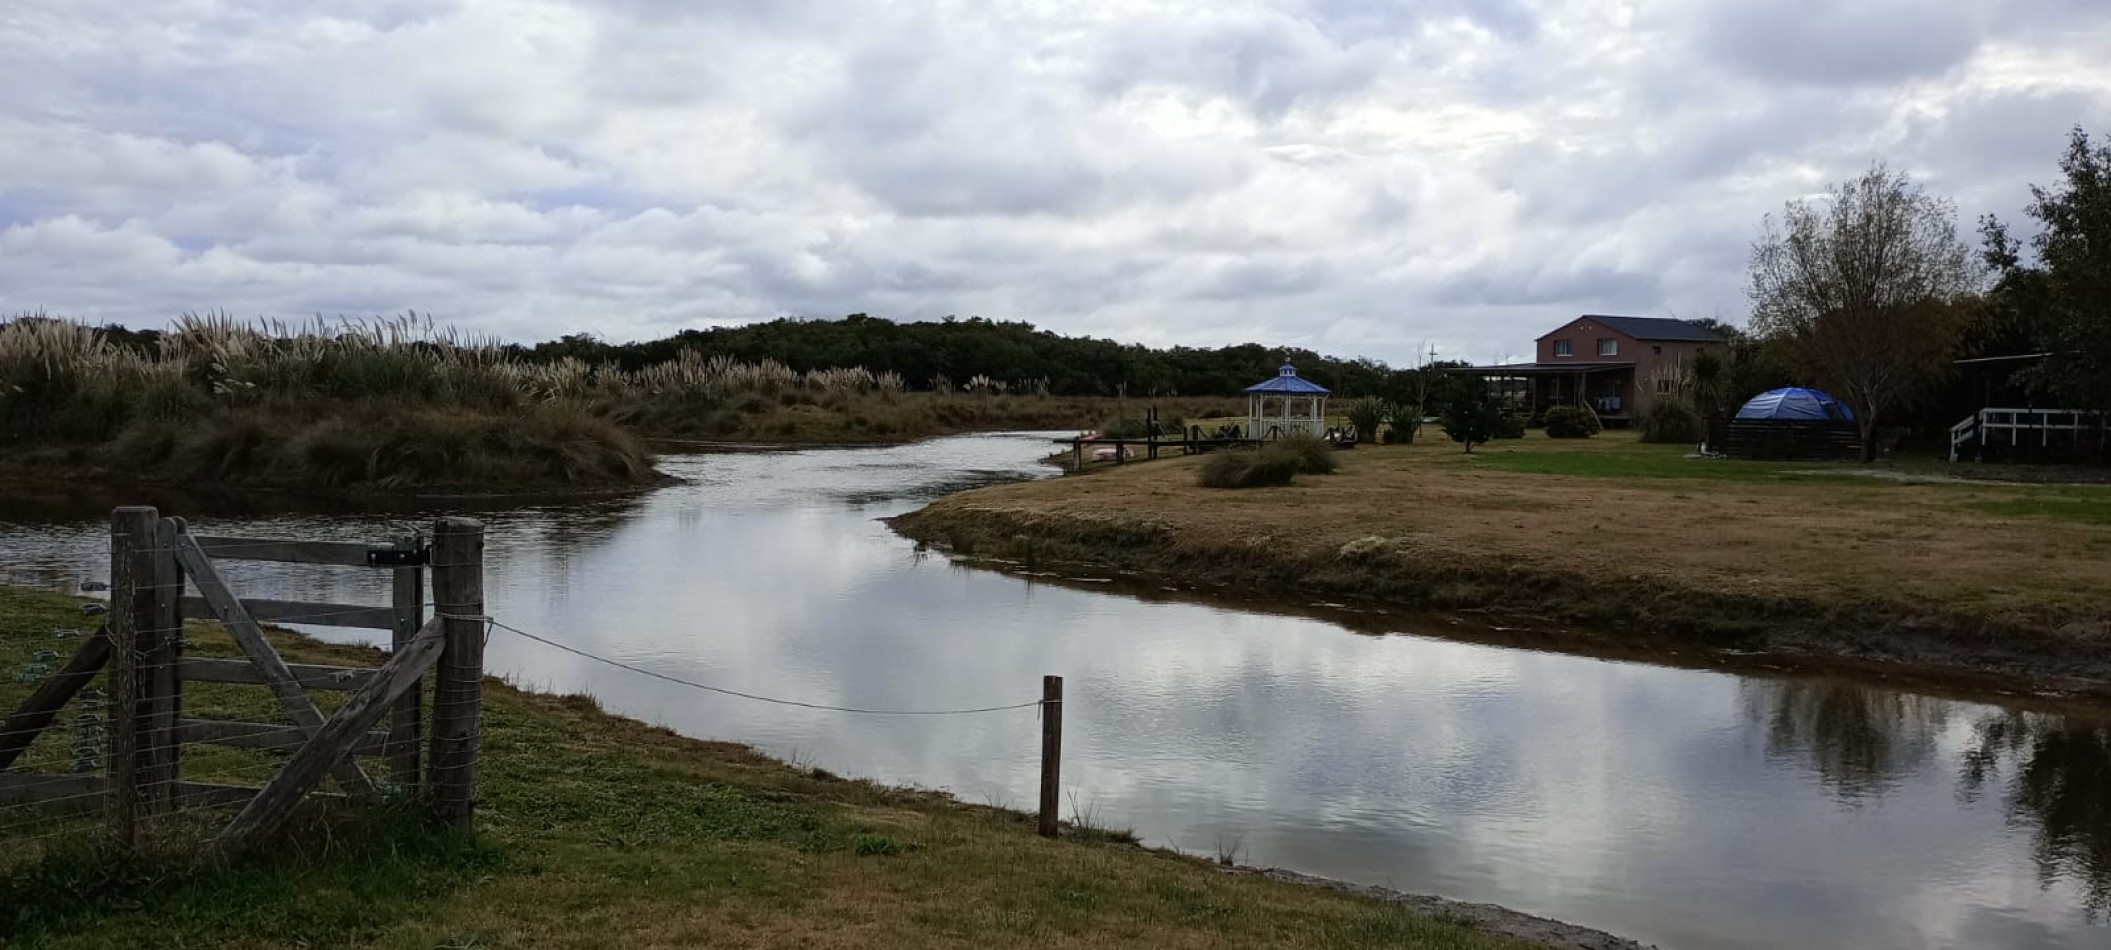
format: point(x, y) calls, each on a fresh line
point(597, 831)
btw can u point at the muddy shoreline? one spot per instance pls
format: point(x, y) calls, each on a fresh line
point(1489, 918)
point(1652, 621)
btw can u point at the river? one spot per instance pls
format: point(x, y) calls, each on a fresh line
point(1689, 807)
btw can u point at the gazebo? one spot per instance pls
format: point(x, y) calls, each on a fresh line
point(1286, 405)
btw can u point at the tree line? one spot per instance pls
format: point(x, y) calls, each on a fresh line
point(948, 353)
point(1870, 293)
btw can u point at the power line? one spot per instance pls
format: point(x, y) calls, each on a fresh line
point(766, 699)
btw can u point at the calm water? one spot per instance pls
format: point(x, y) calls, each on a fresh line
point(1690, 808)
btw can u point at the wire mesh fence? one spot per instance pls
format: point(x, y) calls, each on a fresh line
point(147, 721)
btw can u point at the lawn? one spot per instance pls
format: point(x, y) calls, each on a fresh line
point(598, 831)
point(1605, 530)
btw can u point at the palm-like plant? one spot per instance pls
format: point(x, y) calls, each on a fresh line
point(1707, 384)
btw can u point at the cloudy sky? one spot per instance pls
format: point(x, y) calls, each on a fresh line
point(1357, 176)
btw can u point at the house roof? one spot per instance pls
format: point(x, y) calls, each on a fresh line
point(1538, 369)
point(1287, 381)
point(1650, 328)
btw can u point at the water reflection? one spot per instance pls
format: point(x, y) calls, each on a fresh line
point(1681, 806)
point(1857, 740)
point(2057, 775)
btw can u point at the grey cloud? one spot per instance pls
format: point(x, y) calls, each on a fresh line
point(1841, 42)
point(1268, 62)
point(1548, 286)
point(1332, 173)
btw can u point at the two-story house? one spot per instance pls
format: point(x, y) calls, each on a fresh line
point(1616, 365)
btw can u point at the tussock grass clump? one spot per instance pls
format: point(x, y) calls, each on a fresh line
point(1245, 468)
point(1669, 421)
point(1277, 463)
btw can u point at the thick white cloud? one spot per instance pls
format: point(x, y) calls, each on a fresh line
point(1359, 176)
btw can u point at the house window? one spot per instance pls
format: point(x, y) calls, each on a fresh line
point(1564, 348)
point(1608, 347)
point(1656, 351)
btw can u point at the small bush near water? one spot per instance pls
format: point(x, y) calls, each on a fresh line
point(1276, 463)
point(1671, 421)
point(1571, 422)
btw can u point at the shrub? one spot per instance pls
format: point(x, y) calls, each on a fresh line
point(1403, 421)
point(1275, 463)
point(1671, 421)
point(1471, 415)
point(1307, 455)
point(1367, 416)
point(1245, 468)
point(1571, 422)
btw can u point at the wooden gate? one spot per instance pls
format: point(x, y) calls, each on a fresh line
point(154, 564)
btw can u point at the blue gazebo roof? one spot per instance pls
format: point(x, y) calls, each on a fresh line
point(1288, 381)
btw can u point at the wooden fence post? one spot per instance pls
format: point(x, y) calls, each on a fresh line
point(161, 699)
point(405, 719)
point(132, 537)
point(458, 681)
point(1051, 752)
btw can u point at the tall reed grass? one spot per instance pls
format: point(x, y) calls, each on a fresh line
point(353, 402)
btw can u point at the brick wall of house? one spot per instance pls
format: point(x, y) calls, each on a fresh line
point(1584, 337)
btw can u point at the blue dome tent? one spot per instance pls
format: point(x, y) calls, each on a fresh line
point(1796, 404)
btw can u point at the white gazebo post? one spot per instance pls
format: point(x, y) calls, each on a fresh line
point(1287, 387)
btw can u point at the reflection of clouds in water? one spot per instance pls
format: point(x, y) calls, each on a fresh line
point(1683, 806)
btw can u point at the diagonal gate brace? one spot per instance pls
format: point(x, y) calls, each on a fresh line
point(332, 744)
point(37, 712)
point(250, 637)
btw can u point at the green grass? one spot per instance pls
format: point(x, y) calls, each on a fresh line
point(598, 831)
point(2091, 506)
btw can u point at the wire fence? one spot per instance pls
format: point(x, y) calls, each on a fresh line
point(215, 725)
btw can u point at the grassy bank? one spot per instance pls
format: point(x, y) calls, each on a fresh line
point(402, 406)
point(1896, 566)
point(599, 831)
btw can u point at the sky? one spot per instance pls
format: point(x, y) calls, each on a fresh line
point(1360, 177)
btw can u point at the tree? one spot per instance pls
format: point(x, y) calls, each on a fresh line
point(2064, 302)
point(1866, 293)
point(1472, 413)
point(1707, 384)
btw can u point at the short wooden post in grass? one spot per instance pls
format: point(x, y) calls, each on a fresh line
point(1051, 752)
point(458, 679)
point(131, 620)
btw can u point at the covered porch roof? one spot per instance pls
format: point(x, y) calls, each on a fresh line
point(1539, 369)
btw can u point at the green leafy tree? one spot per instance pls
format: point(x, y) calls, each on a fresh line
point(1866, 292)
point(1471, 412)
point(2064, 301)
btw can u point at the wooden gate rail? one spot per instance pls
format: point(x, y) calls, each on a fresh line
point(141, 647)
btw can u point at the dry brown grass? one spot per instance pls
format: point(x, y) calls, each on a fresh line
point(1606, 530)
